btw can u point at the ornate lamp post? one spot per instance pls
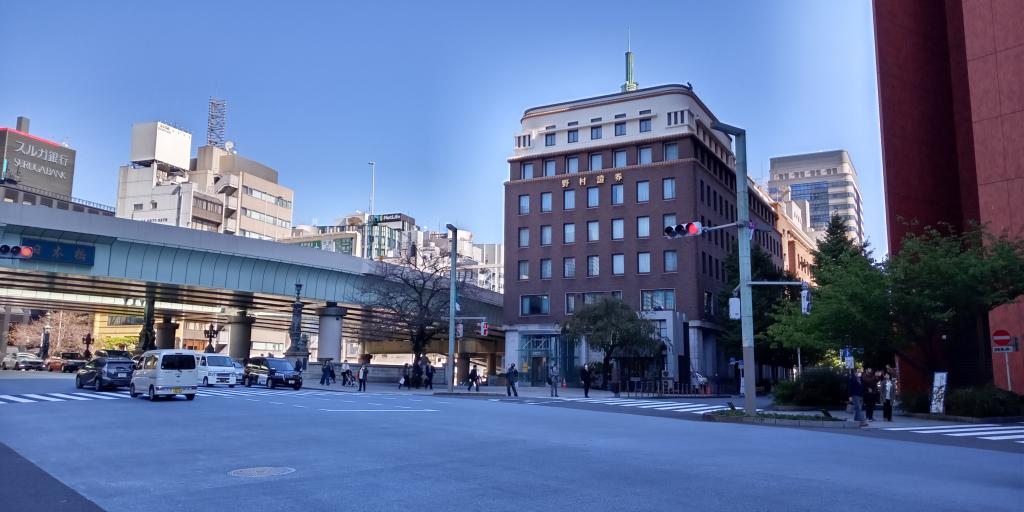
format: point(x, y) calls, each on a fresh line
point(211, 333)
point(44, 345)
point(87, 339)
point(296, 349)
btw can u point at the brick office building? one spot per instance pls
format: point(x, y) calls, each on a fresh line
point(592, 185)
point(951, 99)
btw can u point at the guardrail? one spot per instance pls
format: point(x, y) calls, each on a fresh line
point(59, 197)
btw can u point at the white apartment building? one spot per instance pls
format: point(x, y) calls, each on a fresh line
point(217, 191)
point(827, 180)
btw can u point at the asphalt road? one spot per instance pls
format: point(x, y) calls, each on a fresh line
point(391, 451)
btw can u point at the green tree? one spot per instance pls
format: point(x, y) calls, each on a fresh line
point(944, 283)
point(614, 328)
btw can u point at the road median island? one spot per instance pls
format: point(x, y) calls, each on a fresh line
point(778, 419)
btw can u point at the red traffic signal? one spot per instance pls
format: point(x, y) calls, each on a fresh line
point(484, 328)
point(687, 229)
point(15, 251)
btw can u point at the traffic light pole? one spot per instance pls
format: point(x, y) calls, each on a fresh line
point(452, 301)
point(746, 305)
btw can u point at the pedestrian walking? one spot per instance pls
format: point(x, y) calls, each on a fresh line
point(363, 372)
point(417, 375)
point(429, 372)
point(888, 392)
point(474, 378)
point(856, 390)
point(325, 375)
point(554, 378)
point(511, 379)
point(334, 376)
point(616, 379)
point(585, 377)
point(404, 379)
point(346, 373)
point(870, 384)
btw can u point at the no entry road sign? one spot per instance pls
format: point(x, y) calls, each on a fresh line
point(1001, 337)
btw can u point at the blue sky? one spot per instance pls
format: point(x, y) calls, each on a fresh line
point(433, 92)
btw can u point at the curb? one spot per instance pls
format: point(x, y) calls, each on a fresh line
point(779, 422)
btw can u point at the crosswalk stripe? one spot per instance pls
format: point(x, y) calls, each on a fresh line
point(1000, 438)
point(69, 397)
point(675, 407)
point(16, 399)
point(960, 429)
point(707, 408)
point(638, 404)
point(663, 404)
point(692, 407)
point(99, 396)
point(927, 428)
point(986, 433)
point(41, 397)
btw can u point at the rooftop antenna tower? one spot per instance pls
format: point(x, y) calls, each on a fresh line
point(216, 121)
point(630, 84)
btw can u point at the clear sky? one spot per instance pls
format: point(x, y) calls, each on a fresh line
point(432, 91)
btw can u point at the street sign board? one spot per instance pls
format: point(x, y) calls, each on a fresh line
point(1004, 349)
point(1001, 338)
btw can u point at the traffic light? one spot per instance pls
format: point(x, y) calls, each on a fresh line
point(483, 328)
point(458, 330)
point(684, 230)
point(805, 301)
point(15, 252)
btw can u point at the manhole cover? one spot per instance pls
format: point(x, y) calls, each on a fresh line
point(258, 472)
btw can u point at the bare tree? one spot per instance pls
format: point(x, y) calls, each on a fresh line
point(409, 300)
point(66, 332)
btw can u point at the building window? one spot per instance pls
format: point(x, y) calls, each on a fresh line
point(545, 201)
point(618, 193)
point(671, 263)
point(671, 151)
point(668, 188)
point(709, 303)
point(549, 139)
point(618, 229)
point(643, 262)
point(524, 270)
point(137, 206)
point(643, 227)
point(593, 266)
point(618, 264)
point(596, 162)
point(545, 268)
point(620, 129)
point(592, 197)
point(534, 305)
point(569, 233)
point(573, 136)
point(658, 300)
point(269, 219)
point(595, 132)
point(568, 199)
point(643, 191)
point(524, 204)
point(668, 220)
point(549, 167)
point(572, 164)
point(593, 231)
point(265, 196)
point(524, 237)
point(645, 156)
point(569, 267)
point(620, 158)
point(570, 303)
point(526, 171)
point(591, 298)
point(645, 125)
point(545, 235)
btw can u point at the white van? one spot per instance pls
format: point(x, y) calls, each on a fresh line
point(166, 372)
point(215, 369)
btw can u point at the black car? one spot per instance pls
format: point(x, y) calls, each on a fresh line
point(119, 354)
point(271, 372)
point(104, 372)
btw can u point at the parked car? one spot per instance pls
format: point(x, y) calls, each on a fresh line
point(105, 372)
point(271, 372)
point(67, 362)
point(239, 371)
point(215, 369)
point(166, 372)
point(21, 361)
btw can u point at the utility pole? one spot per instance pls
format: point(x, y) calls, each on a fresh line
point(746, 305)
point(452, 300)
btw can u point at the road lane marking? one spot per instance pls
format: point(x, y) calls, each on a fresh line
point(99, 396)
point(41, 397)
point(69, 397)
point(960, 429)
point(987, 433)
point(923, 427)
point(378, 410)
point(1000, 438)
point(16, 399)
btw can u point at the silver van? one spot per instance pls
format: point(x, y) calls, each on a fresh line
point(165, 372)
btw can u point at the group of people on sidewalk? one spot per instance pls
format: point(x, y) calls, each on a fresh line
point(867, 388)
point(328, 375)
point(417, 375)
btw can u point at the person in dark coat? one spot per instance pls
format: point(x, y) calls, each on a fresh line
point(334, 376)
point(870, 383)
point(429, 376)
point(856, 390)
point(474, 378)
point(511, 380)
point(405, 377)
point(325, 375)
point(585, 377)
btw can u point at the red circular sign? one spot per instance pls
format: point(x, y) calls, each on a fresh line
point(1001, 337)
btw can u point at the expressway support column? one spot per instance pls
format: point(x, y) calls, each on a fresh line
point(165, 333)
point(329, 346)
point(241, 336)
point(462, 370)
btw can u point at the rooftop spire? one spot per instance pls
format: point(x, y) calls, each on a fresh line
point(630, 84)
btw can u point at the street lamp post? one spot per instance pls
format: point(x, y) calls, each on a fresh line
point(746, 305)
point(452, 301)
point(211, 333)
point(87, 340)
point(295, 332)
